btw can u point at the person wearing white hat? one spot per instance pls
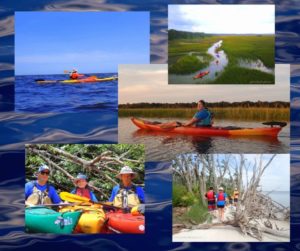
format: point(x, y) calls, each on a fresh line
point(40, 191)
point(134, 194)
point(221, 202)
point(82, 188)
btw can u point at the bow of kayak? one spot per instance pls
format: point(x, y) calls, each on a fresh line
point(208, 131)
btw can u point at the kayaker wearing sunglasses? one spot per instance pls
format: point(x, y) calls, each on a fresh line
point(40, 191)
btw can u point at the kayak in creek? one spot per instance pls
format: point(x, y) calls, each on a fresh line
point(91, 220)
point(119, 222)
point(273, 130)
point(201, 74)
point(45, 220)
point(76, 81)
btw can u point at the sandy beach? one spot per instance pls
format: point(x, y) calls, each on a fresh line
point(228, 233)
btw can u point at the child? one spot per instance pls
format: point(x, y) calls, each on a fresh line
point(82, 188)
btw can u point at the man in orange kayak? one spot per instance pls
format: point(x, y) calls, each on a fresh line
point(202, 118)
point(75, 75)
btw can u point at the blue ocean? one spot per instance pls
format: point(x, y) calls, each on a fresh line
point(56, 123)
point(31, 96)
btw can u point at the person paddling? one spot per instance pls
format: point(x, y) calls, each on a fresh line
point(221, 202)
point(202, 118)
point(75, 75)
point(82, 188)
point(211, 199)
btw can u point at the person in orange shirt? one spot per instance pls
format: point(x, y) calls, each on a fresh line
point(75, 75)
point(235, 196)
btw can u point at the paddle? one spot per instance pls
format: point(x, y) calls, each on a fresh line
point(275, 123)
point(76, 198)
point(53, 205)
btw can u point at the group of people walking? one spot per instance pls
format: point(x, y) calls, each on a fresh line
point(219, 200)
point(40, 192)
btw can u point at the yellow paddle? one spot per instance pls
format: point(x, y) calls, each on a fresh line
point(76, 198)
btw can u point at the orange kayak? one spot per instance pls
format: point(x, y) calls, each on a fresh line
point(201, 74)
point(211, 131)
point(119, 222)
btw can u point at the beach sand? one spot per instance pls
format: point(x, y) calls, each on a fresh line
point(228, 233)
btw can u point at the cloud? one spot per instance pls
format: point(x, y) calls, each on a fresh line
point(149, 83)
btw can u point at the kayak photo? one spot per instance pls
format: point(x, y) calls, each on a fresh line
point(85, 189)
point(173, 120)
point(231, 198)
point(221, 44)
point(72, 65)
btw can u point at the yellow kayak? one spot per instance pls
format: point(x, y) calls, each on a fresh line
point(77, 81)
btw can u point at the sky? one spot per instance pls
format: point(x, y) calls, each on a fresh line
point(277, 175)
point(149, 83)
point(92, 42)
point(223, 19)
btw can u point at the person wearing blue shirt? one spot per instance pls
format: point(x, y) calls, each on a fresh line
point(82, 188)
point(221, 202)
point(134, 194)
point(202, 118)
point(39, 191)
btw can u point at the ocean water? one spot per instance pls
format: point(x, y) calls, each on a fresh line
point(282, 197)
point(17, 129)
point(58, 97)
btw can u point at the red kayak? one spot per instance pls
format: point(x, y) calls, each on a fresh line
point(212, 131)
point(201, 74)
point(119, 222)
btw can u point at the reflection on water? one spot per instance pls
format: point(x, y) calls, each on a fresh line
point(255, 65)
point(165, 146)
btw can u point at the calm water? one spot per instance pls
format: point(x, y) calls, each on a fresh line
point(216, 67)
point(162, 146)
point(282, 197)
point(58, 97)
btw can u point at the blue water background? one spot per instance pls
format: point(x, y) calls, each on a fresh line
point(58, 97)
point(282, 197)
point(158, 178)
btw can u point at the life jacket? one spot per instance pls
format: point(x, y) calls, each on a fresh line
point(210, 195)
point(236, 195)
point(74, 75)
point(126, 198)
point(83, 192)
point(221, 197)
point(208, 121)
point(38, 197)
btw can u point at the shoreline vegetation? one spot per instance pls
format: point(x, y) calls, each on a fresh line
point(189, 49)
point(258, 111)
point(253, 217)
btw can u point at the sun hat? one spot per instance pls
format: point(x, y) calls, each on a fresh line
point(126, 170)
point(80, 176)
point(221, 188)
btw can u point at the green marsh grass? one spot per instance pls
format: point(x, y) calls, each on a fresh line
point(229, 113)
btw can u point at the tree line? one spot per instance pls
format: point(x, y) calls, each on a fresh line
point(175, 34)
point(222, 104)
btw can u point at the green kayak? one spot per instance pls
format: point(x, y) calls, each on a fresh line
point(45, 220)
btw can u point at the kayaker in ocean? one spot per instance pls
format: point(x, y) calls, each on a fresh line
point(211, 199)
point(221, 202)
point(40, 191)
point(82, 188)
point(75, 75)
point(135, 194)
